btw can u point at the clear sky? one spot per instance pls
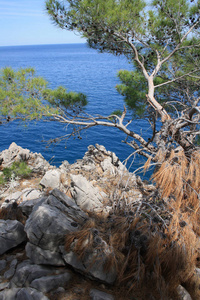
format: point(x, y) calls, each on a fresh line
point(25, 22)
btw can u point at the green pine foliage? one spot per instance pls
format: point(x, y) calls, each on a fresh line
point(17, 169)
point(25, 96)
point(154, 28)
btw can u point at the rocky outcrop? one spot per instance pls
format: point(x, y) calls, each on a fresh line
point(51, 179)
point(16, 153)
point(11, 234)
point(85, 194)
point(48, 224)
point(39, 257)
point(23, 293)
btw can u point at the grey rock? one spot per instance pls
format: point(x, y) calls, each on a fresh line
point(4, 285)
point(11, 234)
point(49, 283)
point(64, 166)
point(2, 264)
point(8, 274)
point(85, 194)
point(28, 205)
point(60, 290)
point(38, 163)
point(51, 179)
point(183, 294)
point(13, 153)
point(47, 226)
point(22, 294)
point(99, 295)
point(91, 266)
point(13, 196)
point(10, 199)
point(26, 272)
point(67, 205)
point(10, 257)
point(31, 194)
point(44, 257)
point(198, 271)
point(107, 166)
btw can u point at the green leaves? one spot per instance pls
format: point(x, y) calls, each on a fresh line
point(99, 20)
point(63, 99)
point(134, 90)
point(17, 169)
point(26, 96)
point(147, 34)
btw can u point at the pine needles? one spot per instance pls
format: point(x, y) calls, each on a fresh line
point(153, 243)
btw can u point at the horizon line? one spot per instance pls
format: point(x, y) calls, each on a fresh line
point(44, 44)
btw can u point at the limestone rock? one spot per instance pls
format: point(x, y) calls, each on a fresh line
point(28, 205)
point(11, 198)
point(31, 194)
point(4, 285)
point(38, 164)
point(43, 257)
point(13, 153)
point(47, 227)
point(66, 205)
point(107, 166)
point(48, 224)
point(22, 294)
point(9, 273)
point(2, 264)
point(91, 266)
point(52, 179)
point(49, 283)
point(85, 194)
point(11, 234)
point(183, 294)
point(99, 295)
point(26, 272)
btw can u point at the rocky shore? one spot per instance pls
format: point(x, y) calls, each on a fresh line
point(60, 226)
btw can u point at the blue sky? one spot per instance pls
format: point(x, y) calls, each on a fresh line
point(25, 22)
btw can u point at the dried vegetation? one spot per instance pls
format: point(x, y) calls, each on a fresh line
point(153, 243)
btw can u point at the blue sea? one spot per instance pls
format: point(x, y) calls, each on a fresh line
point(80, 69)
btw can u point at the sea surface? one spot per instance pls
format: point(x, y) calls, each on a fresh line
point(79, 69)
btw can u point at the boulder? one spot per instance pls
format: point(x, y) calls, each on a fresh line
point(13, 153)
point(85, 194)
point(11, 234)
point(4, 285)
point(26, 272)
point(11, 271)
point(43, 257)
point(38, 164)
point(31, 194)
point(22, 294)
point(108, 167)
point(11, 198)
point(47, 226)
point(52, 179)
point(91, 265)
point(49, 283)
point(183, 294)
point(28, 205)
point(48, 223)
point(66, 205)
point(2, 264)
point(99, 295)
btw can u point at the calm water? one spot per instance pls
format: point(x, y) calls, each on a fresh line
point(80, 69)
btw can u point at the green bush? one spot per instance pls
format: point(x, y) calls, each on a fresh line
point(2, 180)
point(17, 169)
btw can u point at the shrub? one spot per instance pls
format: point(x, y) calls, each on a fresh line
point(17, 169)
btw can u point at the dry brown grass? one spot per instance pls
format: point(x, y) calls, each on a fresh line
point(153, 243)
point(13, 212)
